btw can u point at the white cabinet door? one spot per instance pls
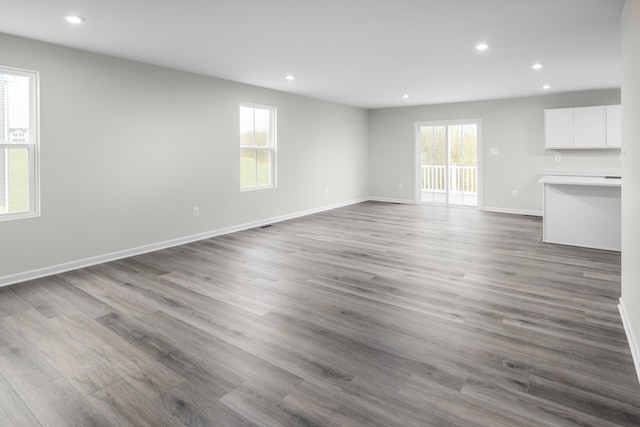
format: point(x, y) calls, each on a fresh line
point(588, 127)
point(614, 126)
point(558, 124)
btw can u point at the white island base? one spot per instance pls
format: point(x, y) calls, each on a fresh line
point(582, 210)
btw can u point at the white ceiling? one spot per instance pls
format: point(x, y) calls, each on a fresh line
point(365, 53)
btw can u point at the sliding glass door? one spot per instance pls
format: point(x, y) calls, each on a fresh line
point(447, 162)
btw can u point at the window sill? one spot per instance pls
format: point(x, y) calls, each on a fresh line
point(261, 187)
point(21, 215)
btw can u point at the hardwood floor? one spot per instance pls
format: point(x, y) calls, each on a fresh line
point(370, 315)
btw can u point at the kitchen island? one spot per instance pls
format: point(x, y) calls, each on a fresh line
point(582, 210)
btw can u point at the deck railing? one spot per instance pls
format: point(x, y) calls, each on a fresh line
point(462, 179)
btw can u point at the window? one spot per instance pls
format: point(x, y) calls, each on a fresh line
point(257, 146)
point(18, 143)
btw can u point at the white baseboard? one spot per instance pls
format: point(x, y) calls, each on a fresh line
point(388, 200)
point(512, 211)
point(113, 256)
point(487, 209)
point(631, 337)
point(87, 262)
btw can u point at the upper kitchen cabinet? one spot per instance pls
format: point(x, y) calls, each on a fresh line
point(614, 126)
point(582, 127)
point(558, 126)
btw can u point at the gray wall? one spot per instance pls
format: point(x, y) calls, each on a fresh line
point(514, 126)
point(630, 299)
point(127, 151)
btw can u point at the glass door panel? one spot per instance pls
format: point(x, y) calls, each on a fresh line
point(454, 163)
point(448, 163)
point(433, 161)
point(469, 174)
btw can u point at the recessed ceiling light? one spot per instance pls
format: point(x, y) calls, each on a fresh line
point(74, 19)
point(482, 46)
point(546, 87)
point(537, 66)
point(405, 96)
point(290, 77)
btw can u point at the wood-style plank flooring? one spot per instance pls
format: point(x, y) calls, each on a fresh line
point(370, 315)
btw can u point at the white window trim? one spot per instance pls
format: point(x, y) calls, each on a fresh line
point(32, 145)
point(272, 148)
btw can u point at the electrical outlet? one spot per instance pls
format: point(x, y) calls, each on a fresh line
point(196, 211)
point(514, 193)
point(326, 190)
point(401, 186)
point(495, 151)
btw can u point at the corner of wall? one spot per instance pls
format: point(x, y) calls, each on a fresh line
point(634, 345)
point(630, 286)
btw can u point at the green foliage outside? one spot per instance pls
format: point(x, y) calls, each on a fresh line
point(462, 140)
point(259, 139)
point(253, 173)
point(254, 164)
point(18, 181)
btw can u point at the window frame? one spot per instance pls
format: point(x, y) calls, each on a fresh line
point(32, 144)
point(272, 148)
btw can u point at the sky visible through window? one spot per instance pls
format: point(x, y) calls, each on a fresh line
point(17, 92)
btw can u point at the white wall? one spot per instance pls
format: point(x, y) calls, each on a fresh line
point(127, 151)
point(630, 300)
point(514, 126)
